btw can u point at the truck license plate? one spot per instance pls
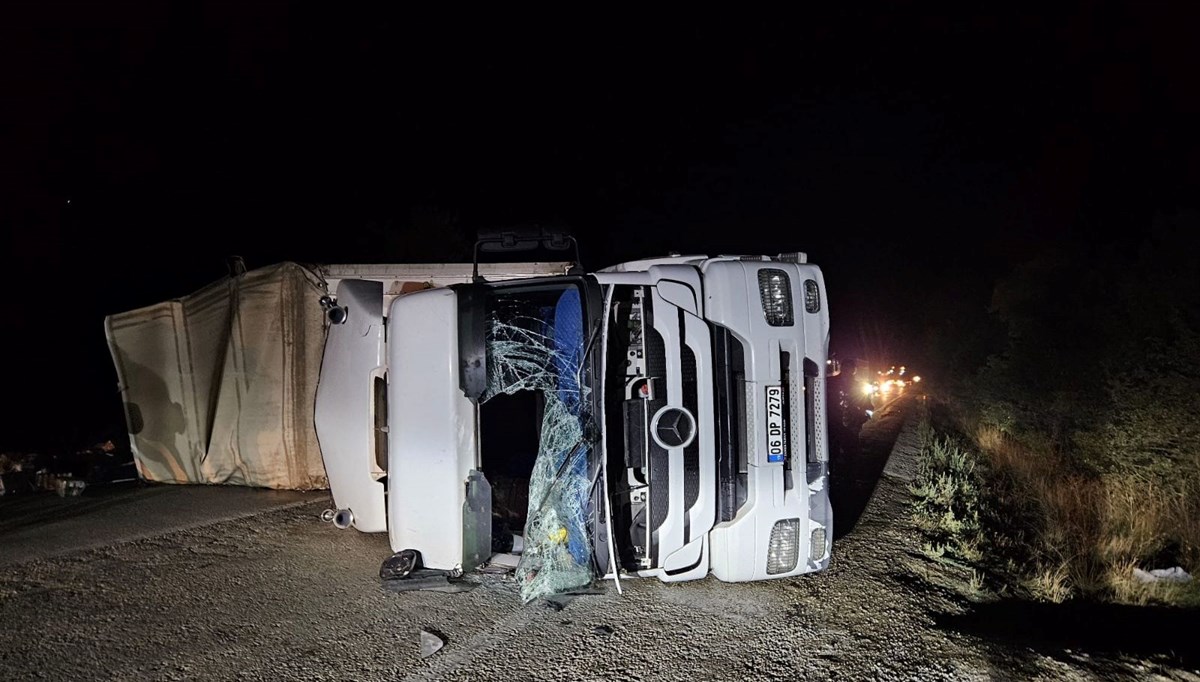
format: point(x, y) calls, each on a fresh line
point(776, 434)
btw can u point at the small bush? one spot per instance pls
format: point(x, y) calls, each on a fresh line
point(947, 501)
point(1050, 583)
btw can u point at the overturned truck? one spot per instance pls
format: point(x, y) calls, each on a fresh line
point(663, 418)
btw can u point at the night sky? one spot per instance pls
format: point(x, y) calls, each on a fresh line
point(916, 154)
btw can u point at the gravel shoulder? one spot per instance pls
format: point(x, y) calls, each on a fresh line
point(279, 595)
point(43, 526)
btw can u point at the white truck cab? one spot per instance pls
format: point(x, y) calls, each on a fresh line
point(733, 348)
point(664, 418)
point(350, 412)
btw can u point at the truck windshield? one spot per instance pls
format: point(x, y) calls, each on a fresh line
point(532, 416)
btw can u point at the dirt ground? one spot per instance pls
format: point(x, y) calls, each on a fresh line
point(279, 595)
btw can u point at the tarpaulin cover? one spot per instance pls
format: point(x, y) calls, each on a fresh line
point(219, 386)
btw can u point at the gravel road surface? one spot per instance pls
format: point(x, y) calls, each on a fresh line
point(278, 595)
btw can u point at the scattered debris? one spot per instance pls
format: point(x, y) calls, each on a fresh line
point(558, 602)
point(68, 486)
point(45, 480)
point(507, 562)
point(504, 539)
point(506, 546)
point(1174, 574)
point(430, 644)
point(428, 580)
point(66, 473)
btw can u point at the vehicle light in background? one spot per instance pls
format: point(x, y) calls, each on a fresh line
point(775, 289)
point(812, 296)
point(916, 380)
point(816, 545)
point(784, 550)
point(869, 389)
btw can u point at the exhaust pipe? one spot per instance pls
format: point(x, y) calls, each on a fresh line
point(343, 519)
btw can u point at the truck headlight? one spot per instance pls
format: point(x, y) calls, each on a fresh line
point(784, 550)
point(816, 545)
point(812, 296)
point(776, 291)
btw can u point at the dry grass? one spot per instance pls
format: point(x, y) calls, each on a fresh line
point(1138, 514)
point(1046, 524)
point(1052, 583)
point(1084, 533)
point(1183, 512)
point(1187, 512)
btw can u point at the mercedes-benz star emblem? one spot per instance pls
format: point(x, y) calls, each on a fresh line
point(674, 427)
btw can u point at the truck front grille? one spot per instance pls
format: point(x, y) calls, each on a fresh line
point(691, 453)
point(659, 464)
point(731, 405)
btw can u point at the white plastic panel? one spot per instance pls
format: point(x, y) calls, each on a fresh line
point(694, 555)
point(433, 444)
point(670, 533)
point(354, 356)
point(678, 295)
point(703, 513)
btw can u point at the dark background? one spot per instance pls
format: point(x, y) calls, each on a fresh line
point(916, 153)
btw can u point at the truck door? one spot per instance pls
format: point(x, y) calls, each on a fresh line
point(350, 393)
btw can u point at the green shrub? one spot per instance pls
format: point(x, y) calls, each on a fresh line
point(947, 500)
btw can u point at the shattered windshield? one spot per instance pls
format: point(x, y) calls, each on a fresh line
point(536, 341)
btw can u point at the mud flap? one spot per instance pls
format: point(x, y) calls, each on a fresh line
point(477, 522)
